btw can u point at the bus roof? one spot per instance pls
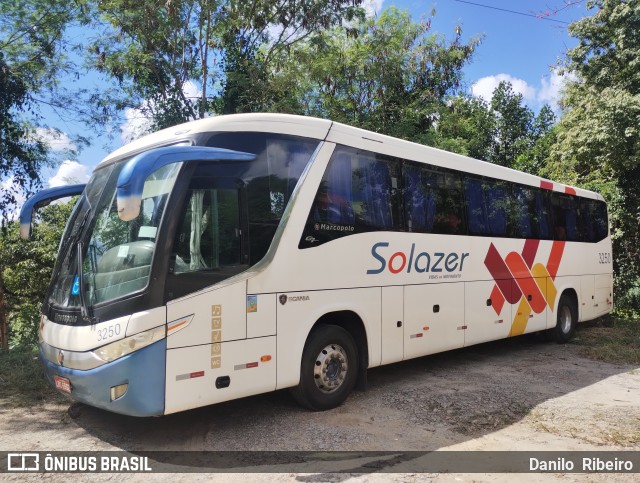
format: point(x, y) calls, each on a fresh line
point(323, 129)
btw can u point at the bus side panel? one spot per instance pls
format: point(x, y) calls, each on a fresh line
point(603, 294)
point(219, 315)
point(213, 373)
point(587, 297)
point(434, 318)
point(261, 315)
point(487, 315)
point(299, 311)
point(392, 340)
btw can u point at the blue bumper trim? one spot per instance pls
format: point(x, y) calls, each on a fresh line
point(143, 370)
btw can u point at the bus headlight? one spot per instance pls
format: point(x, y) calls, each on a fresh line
point(120, 348)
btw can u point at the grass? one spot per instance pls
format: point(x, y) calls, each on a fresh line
point(610, 339)
point(22, 382)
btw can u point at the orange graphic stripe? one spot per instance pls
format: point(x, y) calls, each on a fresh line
point(554, 258)
point(525, 281)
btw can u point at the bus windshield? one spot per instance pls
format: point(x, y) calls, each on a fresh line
point(116, 254)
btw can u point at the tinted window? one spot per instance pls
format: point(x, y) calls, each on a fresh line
point(356, 195)
point(593, 214)
point(487, 203)
point(565, 215)
point(528, 216)
point(433, 200)
point(279, 164)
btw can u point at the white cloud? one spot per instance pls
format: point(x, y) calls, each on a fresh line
point(135, 125)
point(552, 86)
point(548, 92)
point(372, 7)
point(485, 86)
point(56, 140)
point(138, 120)
point(69, 172)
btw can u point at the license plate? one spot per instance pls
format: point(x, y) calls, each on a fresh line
point(62, 383)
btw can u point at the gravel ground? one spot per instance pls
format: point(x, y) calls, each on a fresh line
point(519, 394)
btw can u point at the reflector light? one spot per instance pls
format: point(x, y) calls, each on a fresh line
point(251, 364)
point(419, 335)
point(118, 391)
point(196, 374)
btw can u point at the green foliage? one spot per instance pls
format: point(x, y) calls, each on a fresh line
point(20, 158)
point(33, 57)
point(26, 271)
point(22, 382)
point(599, 137)
point(387, 74)
point(504, 132)
point(181, 60)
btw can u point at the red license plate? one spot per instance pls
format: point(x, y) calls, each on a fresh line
point(62, 383)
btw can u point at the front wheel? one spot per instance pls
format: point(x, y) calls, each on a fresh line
point(566, 321)
point(328, 370)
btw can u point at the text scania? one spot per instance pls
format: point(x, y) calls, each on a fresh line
point(417, 261)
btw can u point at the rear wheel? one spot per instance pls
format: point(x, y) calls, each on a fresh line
point(328, 370)
point(566, 320)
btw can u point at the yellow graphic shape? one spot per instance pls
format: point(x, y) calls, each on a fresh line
point(521, 318)
point(541, 274)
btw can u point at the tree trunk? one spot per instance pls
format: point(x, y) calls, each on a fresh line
point(4, 329)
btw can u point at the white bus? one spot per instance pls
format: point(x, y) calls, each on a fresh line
point(242, 254)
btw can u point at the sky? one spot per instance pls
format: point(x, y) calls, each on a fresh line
point(523, 42)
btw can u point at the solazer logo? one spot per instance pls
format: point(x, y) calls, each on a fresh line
point(415, 260)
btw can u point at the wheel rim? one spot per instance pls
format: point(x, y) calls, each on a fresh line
point(565, 319)
point(330, 368)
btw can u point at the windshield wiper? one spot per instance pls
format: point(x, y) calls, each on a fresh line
point(84, 310)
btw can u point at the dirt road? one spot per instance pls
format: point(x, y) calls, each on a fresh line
point(518, 394)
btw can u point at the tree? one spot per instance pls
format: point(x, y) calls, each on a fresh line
point(20, 155)
point(387, 74)
point(513, 125)
point(466, 126)
point(599, 135)
point(504, 131)
point(185, 59)
point(24, 282)
point(33, 56)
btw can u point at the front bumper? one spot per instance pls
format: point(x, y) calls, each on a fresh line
point(143, 371)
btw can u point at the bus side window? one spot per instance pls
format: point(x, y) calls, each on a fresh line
point(587, 220)
point(600, 220)
point(496, 201)
point(476, 209)
point(419, 198)
point(333, 200)
point(541, 216)
point(565, 217)
point(521, 212)
point(357, 194)
point(449, 205)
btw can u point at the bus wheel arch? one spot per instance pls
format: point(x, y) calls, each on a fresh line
point(566, 317)
point(337, 342)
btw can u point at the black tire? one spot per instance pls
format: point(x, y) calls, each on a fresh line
point(566, 319)
point(328, 370)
